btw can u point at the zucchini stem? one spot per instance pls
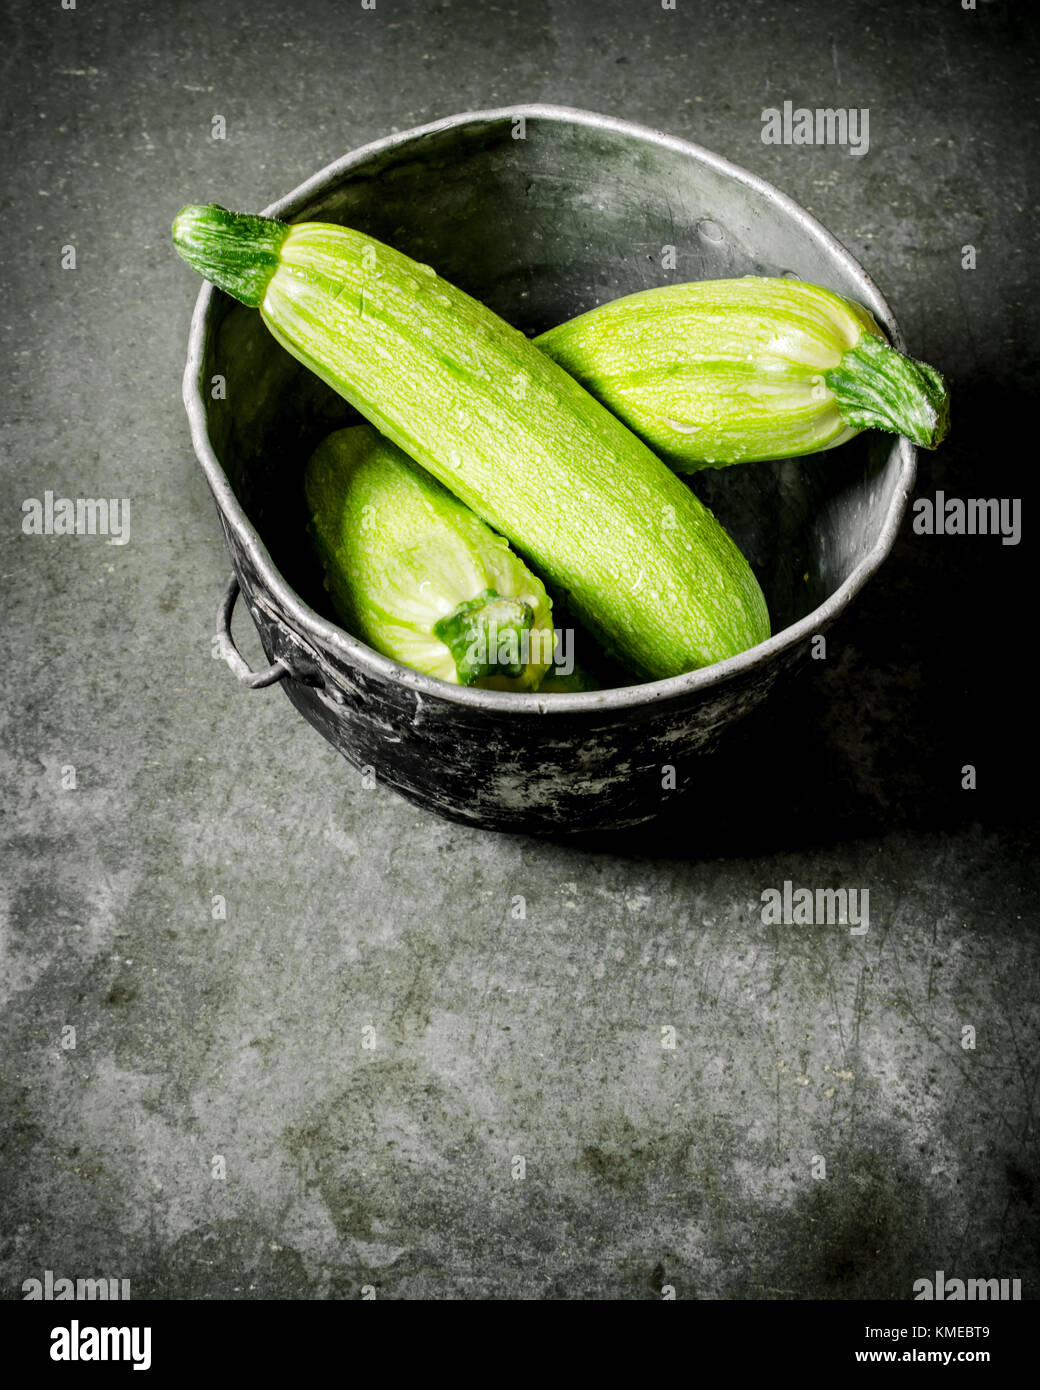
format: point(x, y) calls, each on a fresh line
point(485, 635)
point(237, 251)
point(876, 387)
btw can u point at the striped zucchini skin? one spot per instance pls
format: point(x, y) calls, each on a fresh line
point(729, 371)
point(400, 553)
point(641, 560)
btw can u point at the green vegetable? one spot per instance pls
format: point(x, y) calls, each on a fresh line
point(574, 682)
point(639, 558)
point(725, 371)
point(415, 574)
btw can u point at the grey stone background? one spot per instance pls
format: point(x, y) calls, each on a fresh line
point(349, 908)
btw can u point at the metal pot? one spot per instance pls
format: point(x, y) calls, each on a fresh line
point(541, 212)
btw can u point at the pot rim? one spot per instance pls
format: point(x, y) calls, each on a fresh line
point(370, 662)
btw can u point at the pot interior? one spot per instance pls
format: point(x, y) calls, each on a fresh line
point(541, 228)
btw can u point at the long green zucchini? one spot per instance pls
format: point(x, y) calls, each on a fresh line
point(417, 575)
point(730, 371)
point(638, 557)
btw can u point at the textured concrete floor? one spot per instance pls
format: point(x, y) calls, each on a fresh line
point(394, 1166)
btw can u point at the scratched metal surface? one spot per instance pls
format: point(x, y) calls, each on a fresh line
point(498, 1035)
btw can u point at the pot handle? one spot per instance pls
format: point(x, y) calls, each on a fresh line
point(234, 658)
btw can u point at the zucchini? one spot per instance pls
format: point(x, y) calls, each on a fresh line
point(639, 558)
point(576, 682)
point(731, 371)
point(416, 575)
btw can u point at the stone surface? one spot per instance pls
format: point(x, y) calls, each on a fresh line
point(496, 1036)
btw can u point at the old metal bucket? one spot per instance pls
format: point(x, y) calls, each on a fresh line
point(541, 212)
